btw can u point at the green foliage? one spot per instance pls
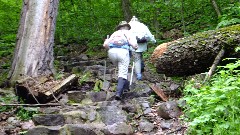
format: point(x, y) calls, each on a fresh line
point(6, 53)
point(26, 113)
point(214, 108)
point(97, 86)
point(7, 100)
point(231, 15)
point(9, 19)
point(58, 76)
point(83, 78)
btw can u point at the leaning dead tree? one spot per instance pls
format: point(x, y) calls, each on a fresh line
point(33, 58)
point(33, 55)
point(196, 53)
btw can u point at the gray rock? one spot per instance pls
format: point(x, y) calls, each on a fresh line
point(48, 119)
point(76, 116)
point(168, 110)
point(50, 110)
point(174, 87)
point(145, 105)
point(13, 120)
point(77, 130)
point(97, 96)
point(42, 130)
point(92, 115)
point(120, 128)
point(112, 114)
point(83, 57)
point(166, 124)
point(146, 111)
point(27, 125)
point(146, 126)
point(76, 96)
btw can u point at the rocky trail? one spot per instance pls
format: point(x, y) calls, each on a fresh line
point(87, 108)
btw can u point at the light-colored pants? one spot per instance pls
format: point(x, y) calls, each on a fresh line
point(137, 60)
point(120, 57)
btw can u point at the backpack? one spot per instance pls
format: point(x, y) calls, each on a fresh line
point(119, 39)
point(141, 40)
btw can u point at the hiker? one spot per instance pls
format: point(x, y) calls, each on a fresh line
point(143, 36)
point(118, 51)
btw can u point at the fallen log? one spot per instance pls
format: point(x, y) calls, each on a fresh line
point(196, 53)
point(43, 89)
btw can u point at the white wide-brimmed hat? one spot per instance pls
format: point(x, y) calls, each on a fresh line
point(122, 24)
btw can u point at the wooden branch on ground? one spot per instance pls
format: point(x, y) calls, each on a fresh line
point(214, 65)
point(159, 92)
point(31, 105)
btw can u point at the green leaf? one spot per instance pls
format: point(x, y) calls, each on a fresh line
point(220, 108)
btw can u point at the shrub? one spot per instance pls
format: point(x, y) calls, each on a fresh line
point(214, 108)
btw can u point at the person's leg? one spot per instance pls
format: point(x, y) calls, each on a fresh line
point(142, 63)
point(123, 63)
point(113, 55)
point(137, 60)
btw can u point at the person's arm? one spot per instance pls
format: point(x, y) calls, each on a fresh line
point(132, 40)
point(105, 44)
point(150, 36)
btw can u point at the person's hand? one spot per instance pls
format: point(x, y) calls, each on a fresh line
point(106, 46)
point(154, 41)
point(135, 47)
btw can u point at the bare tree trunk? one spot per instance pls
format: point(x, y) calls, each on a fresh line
point(215, 6)
point(34, 46)
point(126, 10)
point(155, 21)
point(182, 13)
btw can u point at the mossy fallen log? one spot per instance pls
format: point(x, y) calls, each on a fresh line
point(195, 54)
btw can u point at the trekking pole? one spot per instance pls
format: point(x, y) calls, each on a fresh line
point(132, 73)
point(104, 86)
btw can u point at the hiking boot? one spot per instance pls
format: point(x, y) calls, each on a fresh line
point(120, 86)
point(126, 86)
point(118, 97)
point(139, 76)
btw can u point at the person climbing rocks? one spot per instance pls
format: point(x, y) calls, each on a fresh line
point(143, 36)
point(118, 46)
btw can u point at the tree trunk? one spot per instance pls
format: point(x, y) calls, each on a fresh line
point(182, 14)
point(215, 6)
point(126, 10)
point(155, 21)
point(33, 55)
point(196, 53)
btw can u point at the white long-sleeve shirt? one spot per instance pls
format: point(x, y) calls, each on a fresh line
point(141, 30)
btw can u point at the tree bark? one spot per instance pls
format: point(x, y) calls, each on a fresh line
point(33, 55)
point(216, 8)
point(126, 10)
point(196, 53)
